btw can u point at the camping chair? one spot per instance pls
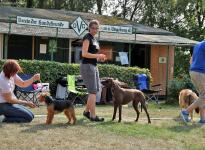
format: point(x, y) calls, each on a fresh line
point(75, 92)
point(27, 93)
point(142, 83)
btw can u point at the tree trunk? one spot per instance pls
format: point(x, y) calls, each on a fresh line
point(29, 4)
point(41, 4)
point(124, 7)
point(137, 4)
point(99, 6)
point(58, 4)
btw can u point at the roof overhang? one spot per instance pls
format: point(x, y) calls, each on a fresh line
point(103, 36)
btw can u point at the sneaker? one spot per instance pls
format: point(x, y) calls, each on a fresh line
point(185, 116)
point(86, 114)
point(202, 121)
point(97, 119)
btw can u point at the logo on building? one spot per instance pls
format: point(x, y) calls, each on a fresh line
point(79, 26)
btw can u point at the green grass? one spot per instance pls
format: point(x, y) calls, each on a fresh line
point(165, 133)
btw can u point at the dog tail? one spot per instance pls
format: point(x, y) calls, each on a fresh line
point(142, 99)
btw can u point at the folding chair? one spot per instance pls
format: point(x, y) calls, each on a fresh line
point(27, 93)
point(142, 83)
point(78, 94)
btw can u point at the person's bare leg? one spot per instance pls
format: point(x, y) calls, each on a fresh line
point(87, 105)
point(202, 113)
point(91, 104)
point(191, 107)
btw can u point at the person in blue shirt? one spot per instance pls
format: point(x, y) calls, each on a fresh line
point(197, 74)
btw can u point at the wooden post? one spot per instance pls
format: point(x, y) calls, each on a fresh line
point(167, 72)
point(6, 38)
point(33, 47)
point(1, 46)
point(70, 51)
point(130, 50)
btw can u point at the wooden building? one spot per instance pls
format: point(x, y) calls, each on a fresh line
point(29, 34)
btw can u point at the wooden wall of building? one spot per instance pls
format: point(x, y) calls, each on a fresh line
point(158, 65)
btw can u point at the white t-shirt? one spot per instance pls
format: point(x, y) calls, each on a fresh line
point(6, 86)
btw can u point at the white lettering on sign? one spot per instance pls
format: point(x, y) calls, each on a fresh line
point(79, 26)
point(42, 22)
point(116, 29)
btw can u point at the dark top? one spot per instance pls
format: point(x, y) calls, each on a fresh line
point(93, 49)
point(198, 58)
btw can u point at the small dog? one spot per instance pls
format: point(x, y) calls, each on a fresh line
point(186, 98)
point(122, 96)
point(57, 106)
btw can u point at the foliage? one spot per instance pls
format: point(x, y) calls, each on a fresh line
point(176, 85)
point(124, 74)
point(52, 45)
point(181, 67)
point(75, 5)
point(51, 71)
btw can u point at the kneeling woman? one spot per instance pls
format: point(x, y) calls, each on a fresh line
point(9, 105)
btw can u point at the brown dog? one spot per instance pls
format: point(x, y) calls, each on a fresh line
point(186, 98)
point(123, 96)
point(57, 106)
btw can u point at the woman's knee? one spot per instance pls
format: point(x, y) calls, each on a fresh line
point(29, 117)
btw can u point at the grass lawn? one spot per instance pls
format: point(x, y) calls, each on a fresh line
point(168, 132)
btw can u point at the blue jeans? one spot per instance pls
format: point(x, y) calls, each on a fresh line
point(15, 113)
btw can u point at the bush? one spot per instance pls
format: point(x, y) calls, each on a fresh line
point(51, 71)
point(176, 85)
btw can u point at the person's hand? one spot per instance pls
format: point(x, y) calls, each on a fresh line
point(101, 57)
point(31, 104)
point(37, 77)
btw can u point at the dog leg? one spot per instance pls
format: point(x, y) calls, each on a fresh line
point(145, 109)
point(72, 115)
point(120, 113)
point(135, 105)
point(67, 114)
point(50, 116)
point(114, 113)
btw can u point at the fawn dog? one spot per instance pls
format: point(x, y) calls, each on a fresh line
point(57, 106)
point(122, 96)
point(186, 98)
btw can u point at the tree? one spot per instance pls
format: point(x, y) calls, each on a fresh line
point(99, 6)
point(58, 4)
point(29, 3)
point(79, 5)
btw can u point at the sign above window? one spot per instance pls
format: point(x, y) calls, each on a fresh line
point(42, 22)
point(116, 29)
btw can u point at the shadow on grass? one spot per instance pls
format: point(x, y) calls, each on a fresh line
point(80, 122)
point(40, 127)
point(183, 127)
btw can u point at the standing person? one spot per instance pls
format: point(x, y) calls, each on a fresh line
point(9, 105)
point(197, 73)
point(89, 70)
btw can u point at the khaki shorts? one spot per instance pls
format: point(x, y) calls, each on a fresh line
point(90, 75)
point(198, 80)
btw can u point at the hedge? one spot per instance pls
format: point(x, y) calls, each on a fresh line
point(51, 71)
point(176, 85)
